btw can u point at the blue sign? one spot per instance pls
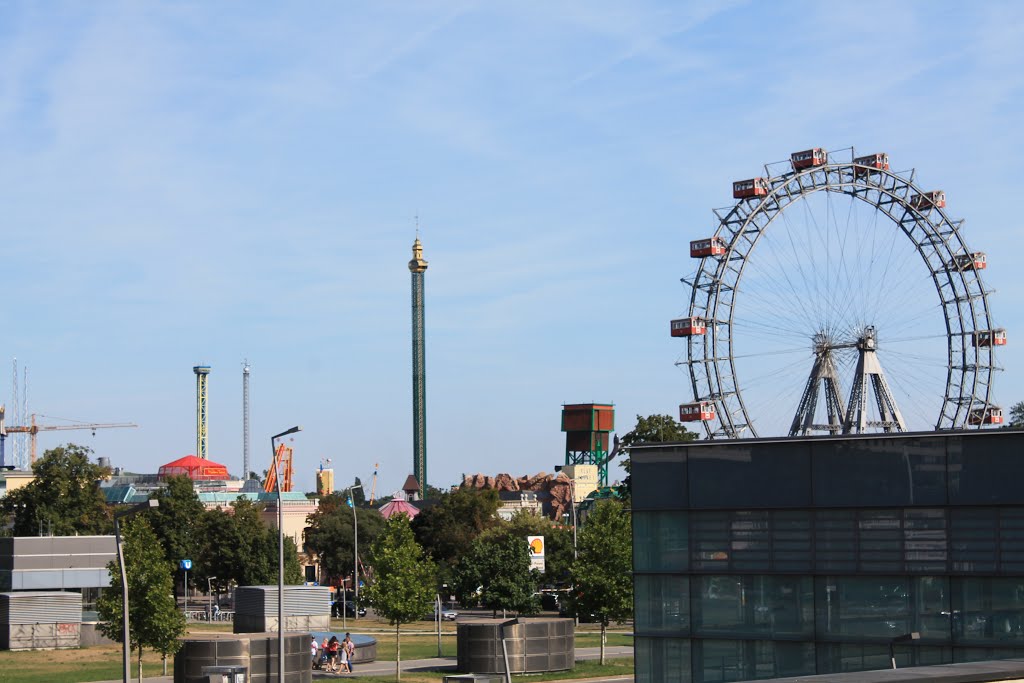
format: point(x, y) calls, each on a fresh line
point(186, 564)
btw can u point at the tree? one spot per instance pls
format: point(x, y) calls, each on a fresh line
point(330, 533)
point(497, 571)
point(1017, 414)
point(602, 574)
point(64, 499)
point(178, 522)
point(238, 547)
point(651, 429)
point(153, 615)
point(403, 583)
point(558, 550)
point(447, 529)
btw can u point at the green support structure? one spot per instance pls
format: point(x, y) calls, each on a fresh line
point(587, 428)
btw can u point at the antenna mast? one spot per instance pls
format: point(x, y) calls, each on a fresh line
point(245, 420)
point(16, 441)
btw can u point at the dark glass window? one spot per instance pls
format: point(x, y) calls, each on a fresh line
point(988, 610)
point(658, 479)
point(720, 661)
point(791, 541)
point(925, 540)
point(711, 541)
point(932, 608)
point(1011, 540)
point(661, 603)
point(660, 541)
point(750, 476)
point(835, 540)
point(768, 606)
point(875, 606)
point(973, 539)
point(662, 660)
point(985, 470)
point(879, 472)
point(750, 541)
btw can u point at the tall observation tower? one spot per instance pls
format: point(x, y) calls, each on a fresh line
point(418, 266)
point(202, 372)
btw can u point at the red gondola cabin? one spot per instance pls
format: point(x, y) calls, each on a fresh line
point(976, 261)
point(927, 200)
point(755, 187)
point(702, 411)
point(714, 246)
point(808, 158)
point(986, 416)
point(687, 327)
point(872, 162)
point(995, 337)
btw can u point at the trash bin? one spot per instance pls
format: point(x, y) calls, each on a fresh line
point(226, 674)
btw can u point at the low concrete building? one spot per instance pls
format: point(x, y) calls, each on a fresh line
point(514, 501)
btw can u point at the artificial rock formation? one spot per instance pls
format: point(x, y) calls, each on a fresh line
point(554, 491)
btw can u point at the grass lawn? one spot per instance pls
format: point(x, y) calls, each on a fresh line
point(100, 663)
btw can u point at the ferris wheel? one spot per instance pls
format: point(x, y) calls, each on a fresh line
point(837, 297)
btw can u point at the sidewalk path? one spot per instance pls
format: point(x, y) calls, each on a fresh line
point(435, 663)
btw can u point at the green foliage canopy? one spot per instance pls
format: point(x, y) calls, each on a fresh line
point(154, 619)
point(331, 536)
point(238, 547)
point(447, 529)
point(497, 567)
point(404, 579)
point(1017, 414)
point(178, 522)
point(64, 498)
point(602, 574)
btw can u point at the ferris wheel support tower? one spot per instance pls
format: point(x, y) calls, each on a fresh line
point(869, 372)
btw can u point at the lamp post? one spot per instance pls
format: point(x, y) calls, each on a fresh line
point(355, 549)
point(280, 553)
point(905, 638)
point(118, 516)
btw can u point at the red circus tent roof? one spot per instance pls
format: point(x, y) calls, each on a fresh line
point(396, 506)
point(194, 468)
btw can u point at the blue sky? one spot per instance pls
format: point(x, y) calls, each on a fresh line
point(193, 183)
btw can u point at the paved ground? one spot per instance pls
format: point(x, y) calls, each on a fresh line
point(442, 663)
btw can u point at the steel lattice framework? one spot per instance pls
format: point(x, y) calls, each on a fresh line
point(716, 287)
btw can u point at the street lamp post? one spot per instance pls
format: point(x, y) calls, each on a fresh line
point(355, 549)
point(118, 516)
point(905, 638)
point(280, 553)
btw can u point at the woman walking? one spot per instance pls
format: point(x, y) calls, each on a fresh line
point(332, 655)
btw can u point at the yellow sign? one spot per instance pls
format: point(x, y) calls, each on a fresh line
point(536, 544)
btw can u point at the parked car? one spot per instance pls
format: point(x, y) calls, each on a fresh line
point(349, 607)
point(446, 614)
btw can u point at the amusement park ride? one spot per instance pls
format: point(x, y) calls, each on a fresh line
point(839, 305)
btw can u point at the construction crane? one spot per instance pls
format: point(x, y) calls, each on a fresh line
point(283, 456)
point(33, 429)
point(373, 485)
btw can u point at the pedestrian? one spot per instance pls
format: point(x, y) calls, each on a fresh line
point(323, 654)
point(332, 654)
point(350, 651)
point(313, 650)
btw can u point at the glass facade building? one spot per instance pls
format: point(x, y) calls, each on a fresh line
point(790, 557)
